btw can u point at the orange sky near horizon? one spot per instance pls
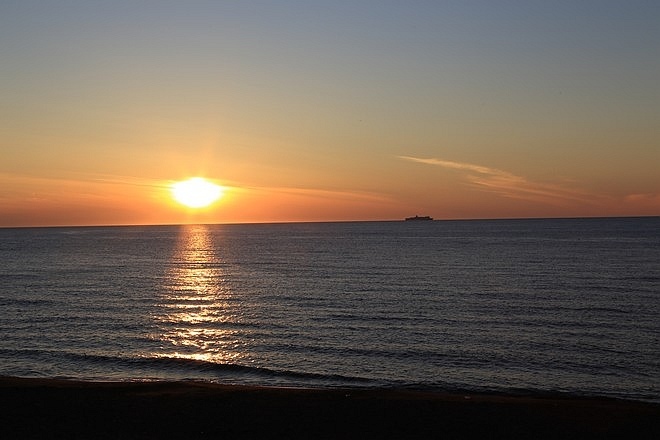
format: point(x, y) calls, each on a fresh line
point(328, 111)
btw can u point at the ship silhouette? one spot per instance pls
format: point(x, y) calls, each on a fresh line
point(418, 218)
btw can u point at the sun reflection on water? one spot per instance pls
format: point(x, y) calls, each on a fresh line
point(199, 314)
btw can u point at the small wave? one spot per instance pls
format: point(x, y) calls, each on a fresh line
point(15, 302)
point(244, 370)
point(155, 367)
point(189, 368)
point(173, 366)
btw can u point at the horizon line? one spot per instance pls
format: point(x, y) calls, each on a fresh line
point(402, 220)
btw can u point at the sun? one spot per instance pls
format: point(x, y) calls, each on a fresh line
point(196, 192)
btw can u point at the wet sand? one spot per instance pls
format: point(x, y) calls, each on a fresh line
point(44, 408)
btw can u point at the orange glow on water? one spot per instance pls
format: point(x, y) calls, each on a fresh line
point(196, 302)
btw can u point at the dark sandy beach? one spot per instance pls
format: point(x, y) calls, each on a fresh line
point(36, 408)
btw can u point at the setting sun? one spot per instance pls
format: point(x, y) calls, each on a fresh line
point(196, 192)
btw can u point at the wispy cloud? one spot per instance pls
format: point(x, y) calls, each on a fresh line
point(318, 193)
point(510, 185)
point(644, 204)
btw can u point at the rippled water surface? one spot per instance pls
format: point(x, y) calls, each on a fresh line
point(508, 305)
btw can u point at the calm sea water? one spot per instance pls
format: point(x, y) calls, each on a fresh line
point(510, 305)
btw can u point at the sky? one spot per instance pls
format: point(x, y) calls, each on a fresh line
point(328, 110)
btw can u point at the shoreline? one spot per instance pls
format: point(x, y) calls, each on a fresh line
point(49, 408)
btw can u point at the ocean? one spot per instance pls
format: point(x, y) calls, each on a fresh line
point(497, 306)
